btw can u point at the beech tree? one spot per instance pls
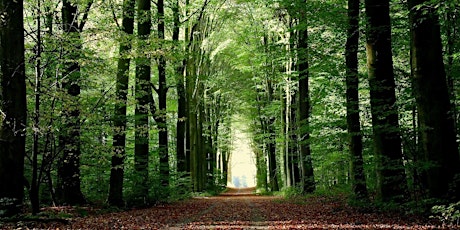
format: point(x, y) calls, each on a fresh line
point(69, 179)
point(142, 94)
point(277, 66)
point(13, 107)
point(181, 101)
point(437, 124)
point(119, 120)
point(391, 180)
point(304, 107)
point(352, 84)
point(162, 99)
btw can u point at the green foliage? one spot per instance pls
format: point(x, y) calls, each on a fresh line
point(447, 214)
point(8, 205)
point(291, 192)
point(247, 50)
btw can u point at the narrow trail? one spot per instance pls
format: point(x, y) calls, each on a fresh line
point(242, 209)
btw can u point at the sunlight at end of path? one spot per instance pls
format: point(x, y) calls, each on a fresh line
point(242, 163)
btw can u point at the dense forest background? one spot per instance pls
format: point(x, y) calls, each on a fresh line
point(131, 102)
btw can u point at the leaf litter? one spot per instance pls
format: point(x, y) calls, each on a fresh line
point(243, 210)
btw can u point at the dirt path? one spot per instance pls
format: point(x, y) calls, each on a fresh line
point(234, 209)
point(241, 209)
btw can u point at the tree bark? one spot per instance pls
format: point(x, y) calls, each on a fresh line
point(69, 139)
point(294, 144)
point(391, 185)
point(307, 177)
point(162, 93)
point(437, 125)
point(271, 148)
point(35, 182)
point(120, 121)
point(181, 101)
point(193, 111)
point(355, 145)
point(142, 92)
point(13, 107)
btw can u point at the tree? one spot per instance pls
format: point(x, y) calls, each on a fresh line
point(162, 98)
point(194, 91)
point(265, 98)
point(35, 183)
point(302, 163)
point(142, 92)
point(437, 125)
point(391, 184)
point(352, 84)
point(181, 102)
point(119, 139)
point(69, 140)
point(13, 107)
point(307, 177)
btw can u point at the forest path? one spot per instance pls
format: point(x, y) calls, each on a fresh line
point(236, 208)
point(242, 209)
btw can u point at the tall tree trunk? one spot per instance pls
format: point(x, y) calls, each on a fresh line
point(216, 118)
point(294, 144)
point(194, 93)
point(188, 41)
point(35, 182)
point(193, 110)
point(285, 100)
point(271, 148)
point(391, 178)
point(69, 139)
point(293, 150)
point(13, 107)
point(268, 120)
point(119, 121)
point(308, 179)
point(437, 126)
point(181, 101)
point(162, 93)
point(142, 92)
point(261, 162)
point(201, 153)
point(352, 84)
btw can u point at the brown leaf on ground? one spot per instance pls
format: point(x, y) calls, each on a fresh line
point(241, 209)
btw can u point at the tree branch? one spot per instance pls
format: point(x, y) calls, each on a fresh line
point(85, 15)
point(153, 87)
point(115, 16)
point(200, 11)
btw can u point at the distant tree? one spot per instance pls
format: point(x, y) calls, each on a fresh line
point(194, 89)
point(391, 184)
point(13, 107)
point(293, 149)
point(302, 162)
point(358, 178)
point(265, 97)
point(437, 124)
point(119, 120)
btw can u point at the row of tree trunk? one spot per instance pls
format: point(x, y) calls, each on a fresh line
point(437, 126)
point(437, 134)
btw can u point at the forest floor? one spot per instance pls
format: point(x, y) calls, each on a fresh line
point(241, 209)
